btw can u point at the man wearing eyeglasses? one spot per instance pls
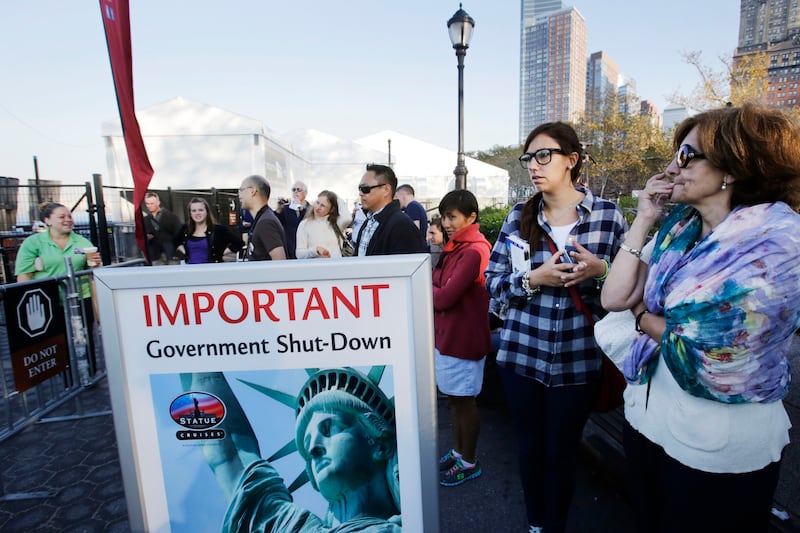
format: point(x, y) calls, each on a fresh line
point(387, 229)
point(266, 239)
point(290, 215)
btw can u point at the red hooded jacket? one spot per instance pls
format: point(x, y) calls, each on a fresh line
point(460, 300)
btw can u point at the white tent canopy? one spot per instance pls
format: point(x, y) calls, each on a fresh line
point(197, 146)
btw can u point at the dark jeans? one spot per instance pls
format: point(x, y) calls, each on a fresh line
point(669, 496)
point(549, 423)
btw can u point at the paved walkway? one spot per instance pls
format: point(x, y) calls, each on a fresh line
point(62, 475)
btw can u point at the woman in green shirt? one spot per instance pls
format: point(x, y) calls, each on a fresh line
point(41, 255)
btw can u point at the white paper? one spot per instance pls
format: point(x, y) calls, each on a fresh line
point(520, 252)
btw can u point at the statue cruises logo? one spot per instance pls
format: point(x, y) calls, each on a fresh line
point(198, 413)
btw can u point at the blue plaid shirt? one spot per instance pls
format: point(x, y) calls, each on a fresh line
point(544, 336)
point(370, 225)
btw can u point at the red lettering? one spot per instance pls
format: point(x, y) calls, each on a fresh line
point(339, 296)
point(376, 300)
point(315, 303)
point(147, 318)
point(234, 307)
point(258, 306)
point(180, 307)
point(243, 310)
point(290, 300)
point(198, 308)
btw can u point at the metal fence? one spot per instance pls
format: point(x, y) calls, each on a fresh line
point(86, 359)
point(103, 214)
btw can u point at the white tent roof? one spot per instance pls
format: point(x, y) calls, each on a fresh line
point(181, 116)
point(192, 145)
point(412, 157)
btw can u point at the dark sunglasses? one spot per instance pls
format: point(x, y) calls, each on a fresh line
point(366, 189)
point(686, 153)
point(542, 156)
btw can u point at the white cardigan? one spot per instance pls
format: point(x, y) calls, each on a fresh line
point(313, 232)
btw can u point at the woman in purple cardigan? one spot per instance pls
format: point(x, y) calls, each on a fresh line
point(461, 305)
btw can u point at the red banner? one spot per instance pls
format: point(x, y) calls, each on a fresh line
point(117, 24)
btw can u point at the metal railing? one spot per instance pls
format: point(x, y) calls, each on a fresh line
point(86, 360)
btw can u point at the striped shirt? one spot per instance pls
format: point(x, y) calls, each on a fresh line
point(544, 336)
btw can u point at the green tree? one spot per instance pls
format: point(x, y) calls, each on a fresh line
point(507, 157)
point(625, 148)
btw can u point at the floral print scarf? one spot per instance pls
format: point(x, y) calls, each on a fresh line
point(731, 302)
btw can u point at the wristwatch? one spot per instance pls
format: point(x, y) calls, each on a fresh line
point(526, 285)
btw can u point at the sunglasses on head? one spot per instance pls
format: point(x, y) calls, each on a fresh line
point(366, 189)
point(686, 153)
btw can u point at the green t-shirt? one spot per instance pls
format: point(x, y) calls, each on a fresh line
point(42, 246)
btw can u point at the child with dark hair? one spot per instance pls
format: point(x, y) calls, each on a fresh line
point(461, 303)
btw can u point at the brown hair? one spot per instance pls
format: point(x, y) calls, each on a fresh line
point(759, 146)
point(568, 142)
point(210, 219)
point(333, 215)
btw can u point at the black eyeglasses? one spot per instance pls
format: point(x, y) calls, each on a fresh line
point(542, 156)
point(366, 189)
point(297, 189)
point(686, 153)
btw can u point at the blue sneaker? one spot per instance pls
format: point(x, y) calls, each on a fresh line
point(459, 473)
point(447, 461)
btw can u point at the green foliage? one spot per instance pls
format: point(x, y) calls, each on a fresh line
point(491, 220)
point(628, 205)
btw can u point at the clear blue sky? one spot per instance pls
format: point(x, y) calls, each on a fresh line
point(348, 68)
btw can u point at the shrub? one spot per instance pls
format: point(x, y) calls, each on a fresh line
point(491, 219)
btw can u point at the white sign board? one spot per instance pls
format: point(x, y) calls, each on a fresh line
point(261, 333)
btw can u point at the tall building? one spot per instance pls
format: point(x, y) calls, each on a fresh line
point(602, 79)
point(773, 26)
point(648, 109)
point(552, 65)
point(532, 9)
point(628, 97)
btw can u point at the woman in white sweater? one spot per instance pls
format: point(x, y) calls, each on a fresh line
point(318, 234)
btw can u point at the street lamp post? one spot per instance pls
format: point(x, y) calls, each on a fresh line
point(460, 27)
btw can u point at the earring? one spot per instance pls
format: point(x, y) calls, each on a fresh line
point(724, 183)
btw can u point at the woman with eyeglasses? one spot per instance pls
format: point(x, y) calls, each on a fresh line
point(318, 234)
point(548, 359)
point(716, 309)
point(202, 240)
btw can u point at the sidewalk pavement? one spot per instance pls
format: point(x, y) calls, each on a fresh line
point(62, 474)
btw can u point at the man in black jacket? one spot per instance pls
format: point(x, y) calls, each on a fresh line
point(162, 229)
point(387, 229)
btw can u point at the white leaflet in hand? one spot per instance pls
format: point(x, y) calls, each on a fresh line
point(520, 252)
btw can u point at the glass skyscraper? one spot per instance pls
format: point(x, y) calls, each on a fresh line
point(552, 64)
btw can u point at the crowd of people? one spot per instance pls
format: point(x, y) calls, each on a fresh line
point(709, 267)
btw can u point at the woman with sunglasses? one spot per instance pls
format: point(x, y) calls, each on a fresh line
point(202, 240)
point(548, 359)
point(715, 310)
point(318, 234)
